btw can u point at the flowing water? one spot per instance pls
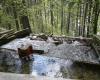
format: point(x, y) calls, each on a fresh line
point(57, 60)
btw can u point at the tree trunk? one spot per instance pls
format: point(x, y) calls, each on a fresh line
point(51, 12)
point(15, 16)
point(89, 15)
point(62, 18)
point(96, 14)
point(77, 23)
point(45, 15)
point(24, 19)
point(41, 22)
point(68, 18)
point(25, 22)
point(85, 14)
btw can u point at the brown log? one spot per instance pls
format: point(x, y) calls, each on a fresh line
point(6, 32)
point(8, 50)
point(88, 65)
point(97, 54)
point(8, 35)
point(96, 44)
point(69, 37)
point(5, 36)
point(96, 40)
point(2, 42)
point(22, 33)
point(38, 51)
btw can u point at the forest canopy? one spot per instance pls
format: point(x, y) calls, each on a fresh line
point(57, 17)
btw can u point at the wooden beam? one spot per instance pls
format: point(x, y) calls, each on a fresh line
point(22, 33)
point(6, 32)
point(89, 65)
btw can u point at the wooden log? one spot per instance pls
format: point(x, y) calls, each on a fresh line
point(69, 37)
point(8, 50)
point(5, 36)
point(22, 33)
point(88, 65)
point(8, 35)
point(6, 32)
point(95, 45)
point(2, 42)
point(97, 54)
point(38, 51)
point(96, 40)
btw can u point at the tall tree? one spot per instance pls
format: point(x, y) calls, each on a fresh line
point(51, 13)
point(62, 16)
point(15, 15)
point(24, 18)
point(84, 17)
point(96, 14)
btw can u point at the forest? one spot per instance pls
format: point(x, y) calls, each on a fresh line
point(46, 39)
point(56, 17)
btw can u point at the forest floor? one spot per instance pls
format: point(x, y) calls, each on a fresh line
point(56, 61)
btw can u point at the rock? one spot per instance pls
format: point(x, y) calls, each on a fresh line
point(58, 42)
point(43, 36)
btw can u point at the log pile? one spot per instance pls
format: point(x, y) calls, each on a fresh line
point(9, 35)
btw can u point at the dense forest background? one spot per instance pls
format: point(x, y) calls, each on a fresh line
point(57, 17)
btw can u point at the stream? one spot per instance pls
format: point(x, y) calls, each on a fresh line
point(57, 60)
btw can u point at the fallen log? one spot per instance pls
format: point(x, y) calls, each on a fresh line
point(10, 36)
point(38, 51)
point(6, 49)
point(69, 37)
point(6, 32)
point(4, 36)
point(2, 42)
point(95, 45)
point(96, 40)
point(89, 65)
point(22, 33)
point(97, 54)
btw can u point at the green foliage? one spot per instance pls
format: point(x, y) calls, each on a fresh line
point(39, 14)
